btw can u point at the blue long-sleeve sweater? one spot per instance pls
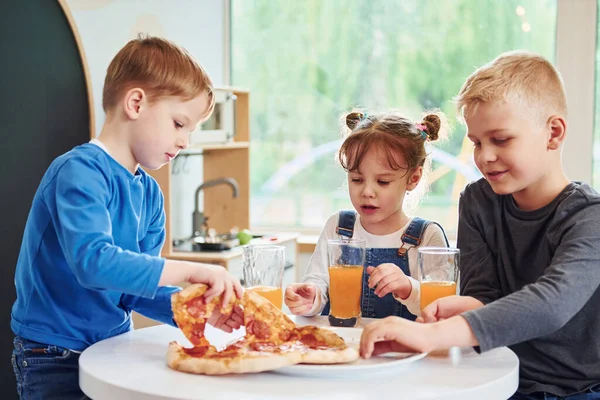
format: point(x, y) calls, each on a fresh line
point(90, 252)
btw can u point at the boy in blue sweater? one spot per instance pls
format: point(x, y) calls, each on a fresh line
point(91, 246)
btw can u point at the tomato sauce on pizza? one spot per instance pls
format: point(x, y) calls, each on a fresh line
point(272, 340)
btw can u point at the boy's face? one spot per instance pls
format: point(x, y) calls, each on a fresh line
point(163, 127)
point(510, 147)
point(377, 191)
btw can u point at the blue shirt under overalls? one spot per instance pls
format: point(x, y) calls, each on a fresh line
point(373, 306)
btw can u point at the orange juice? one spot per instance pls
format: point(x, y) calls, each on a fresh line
point(345, 289)
point(271, 293)
point(433, 290)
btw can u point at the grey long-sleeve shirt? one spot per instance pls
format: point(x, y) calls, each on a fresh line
point(538, 273)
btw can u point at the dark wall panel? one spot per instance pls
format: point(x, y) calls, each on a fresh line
point(43, 113)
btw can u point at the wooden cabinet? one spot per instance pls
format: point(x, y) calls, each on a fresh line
point(230, 159)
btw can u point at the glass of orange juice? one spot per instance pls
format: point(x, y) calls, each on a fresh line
point(346, 266)
point(438, 273)
point(263, 271)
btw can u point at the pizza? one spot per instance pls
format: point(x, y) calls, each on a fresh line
point(272, 339)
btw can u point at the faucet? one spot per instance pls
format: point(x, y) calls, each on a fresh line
point(198, 218)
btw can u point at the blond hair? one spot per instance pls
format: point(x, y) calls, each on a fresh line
point(516, 76)
point(159, 67)
point(393, 134)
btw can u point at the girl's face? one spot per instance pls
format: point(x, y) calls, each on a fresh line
point(377, 191)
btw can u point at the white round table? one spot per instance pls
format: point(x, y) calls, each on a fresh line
point(132, 366)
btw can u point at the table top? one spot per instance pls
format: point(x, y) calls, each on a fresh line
point(133, 366)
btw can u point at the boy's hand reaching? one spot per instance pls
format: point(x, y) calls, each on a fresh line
point(394, 334)
point(215, 277)
point(399, 334)
point(300, 297)
point(447, 307)
point(219, 281)
point(389, 278)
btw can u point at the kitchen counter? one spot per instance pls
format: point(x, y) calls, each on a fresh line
point(223, 257)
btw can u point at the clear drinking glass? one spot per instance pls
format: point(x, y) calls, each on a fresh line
point(346, 268)
point(263, 271)
point(438, 273)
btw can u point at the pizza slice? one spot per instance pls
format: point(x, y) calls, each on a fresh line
point(191, 312)
point(272, 339)
point(264, 321)
point(324, 346)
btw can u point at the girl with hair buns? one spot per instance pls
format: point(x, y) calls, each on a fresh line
point(385, 158)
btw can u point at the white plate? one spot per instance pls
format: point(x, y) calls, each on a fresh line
point(384, 364)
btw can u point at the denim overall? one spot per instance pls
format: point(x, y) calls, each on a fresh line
point(372, 306)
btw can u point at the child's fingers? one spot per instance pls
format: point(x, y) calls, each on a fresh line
point(216, 288)
point(376, 276)
point(220, 322)
point(368, 339)
point(386, 287)
point(299, 303)
point(387, 280)
point(237, 315)
point(389, 346)
point(306, 291)
point(232, 324)
point(238, 289)
point(429, 313)
point(290, 294)
point(227, 293)
point(301, 310)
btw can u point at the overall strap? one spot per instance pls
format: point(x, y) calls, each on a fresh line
point(414, 234)
point(346, 222)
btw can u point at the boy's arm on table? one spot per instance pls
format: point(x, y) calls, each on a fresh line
point(538, 309)
point(543, 307)
point(396, 334)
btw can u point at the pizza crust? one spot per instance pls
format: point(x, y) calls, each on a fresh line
point(336, 353)
point(250, 362)
point(333, 356)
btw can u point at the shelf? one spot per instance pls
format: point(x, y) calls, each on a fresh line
point(199, 148)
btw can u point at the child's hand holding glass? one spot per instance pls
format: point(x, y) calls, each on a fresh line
point(389, 278)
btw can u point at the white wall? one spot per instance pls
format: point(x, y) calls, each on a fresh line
point(198, 25)
point(576, 60)
point(106, 25)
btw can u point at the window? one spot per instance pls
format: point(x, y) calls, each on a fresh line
point(307, 62)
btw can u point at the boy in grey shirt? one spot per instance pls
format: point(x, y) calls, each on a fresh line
point(529, 240)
